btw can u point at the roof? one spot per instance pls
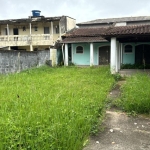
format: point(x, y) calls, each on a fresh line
point(116, 20)
point(31, 19)
point(83, 39)
point(79, 35)
point(85, 32)
point(128, 30)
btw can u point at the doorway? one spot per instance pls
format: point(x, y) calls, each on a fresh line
point(104, 55)
point(142, 54)
point(16, 32)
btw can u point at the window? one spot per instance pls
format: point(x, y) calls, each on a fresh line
point(57, 29)
point(128, 49)
point(79, 49)
point(6, 31)
point(46, 30)
point(35, 28)
point(24, 28)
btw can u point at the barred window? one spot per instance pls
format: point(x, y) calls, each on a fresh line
point(79, 49)
point(128, 49)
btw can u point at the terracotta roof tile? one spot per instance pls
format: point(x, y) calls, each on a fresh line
point(83, 39)
point(85, 32)
point(128, 30)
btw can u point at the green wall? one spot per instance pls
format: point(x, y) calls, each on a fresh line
point(84, 59)
point(129, 58)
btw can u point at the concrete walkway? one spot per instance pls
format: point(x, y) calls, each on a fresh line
point(121, 132)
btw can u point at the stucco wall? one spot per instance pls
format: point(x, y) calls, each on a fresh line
point(71, 23)
point(15, 61)
point(84, 59)
point(129, 58)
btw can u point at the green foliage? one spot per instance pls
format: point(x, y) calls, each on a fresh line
point(135, 66)
point(117, 76)
point(52, 108)
point(136, 94)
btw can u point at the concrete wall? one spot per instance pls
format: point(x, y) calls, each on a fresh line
point(15, 61)
point(53, 56)
point(71, 23)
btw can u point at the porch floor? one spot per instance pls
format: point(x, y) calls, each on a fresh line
point(129, 72)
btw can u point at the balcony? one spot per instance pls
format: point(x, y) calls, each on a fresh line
point(25, 40)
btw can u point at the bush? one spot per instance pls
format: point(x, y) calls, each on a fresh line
point(135, 66)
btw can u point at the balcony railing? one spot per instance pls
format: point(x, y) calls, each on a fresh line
point(22, 40)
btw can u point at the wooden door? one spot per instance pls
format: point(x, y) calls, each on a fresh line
point(104, 55)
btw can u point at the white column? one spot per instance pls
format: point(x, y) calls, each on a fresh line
point(119, 56)
point(8, 35)
point(66, 55)
point(91, 55)
point(72, 53)
point(113, 55)
point(30, 29)
point(8, 31)
point(31, 47)
point(51, 36)
point(51, 28)
point(121, 53)
point(59, 31)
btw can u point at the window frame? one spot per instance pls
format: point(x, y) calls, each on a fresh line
point(82, 49)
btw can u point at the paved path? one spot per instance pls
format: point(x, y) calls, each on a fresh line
point(122, 132)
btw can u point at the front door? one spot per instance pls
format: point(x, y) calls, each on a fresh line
point(104, 55)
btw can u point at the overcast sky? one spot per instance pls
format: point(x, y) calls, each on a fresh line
point(81, 10)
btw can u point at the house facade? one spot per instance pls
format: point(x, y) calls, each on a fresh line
point(33, 33)
point(114, 41)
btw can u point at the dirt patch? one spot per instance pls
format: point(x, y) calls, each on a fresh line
point(115, 92)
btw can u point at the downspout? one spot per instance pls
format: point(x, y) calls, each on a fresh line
point(62, 47)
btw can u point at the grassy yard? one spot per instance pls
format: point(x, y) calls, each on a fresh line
point(52, 108)
point(136, 94)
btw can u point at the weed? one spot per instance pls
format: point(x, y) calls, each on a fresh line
point(135, 94)
point(52, 108)
point(117, 76)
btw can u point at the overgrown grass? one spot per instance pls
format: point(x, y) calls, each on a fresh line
point(136, 94)
point(52, 108)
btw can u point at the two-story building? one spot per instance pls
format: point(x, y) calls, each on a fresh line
point(33, 33)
